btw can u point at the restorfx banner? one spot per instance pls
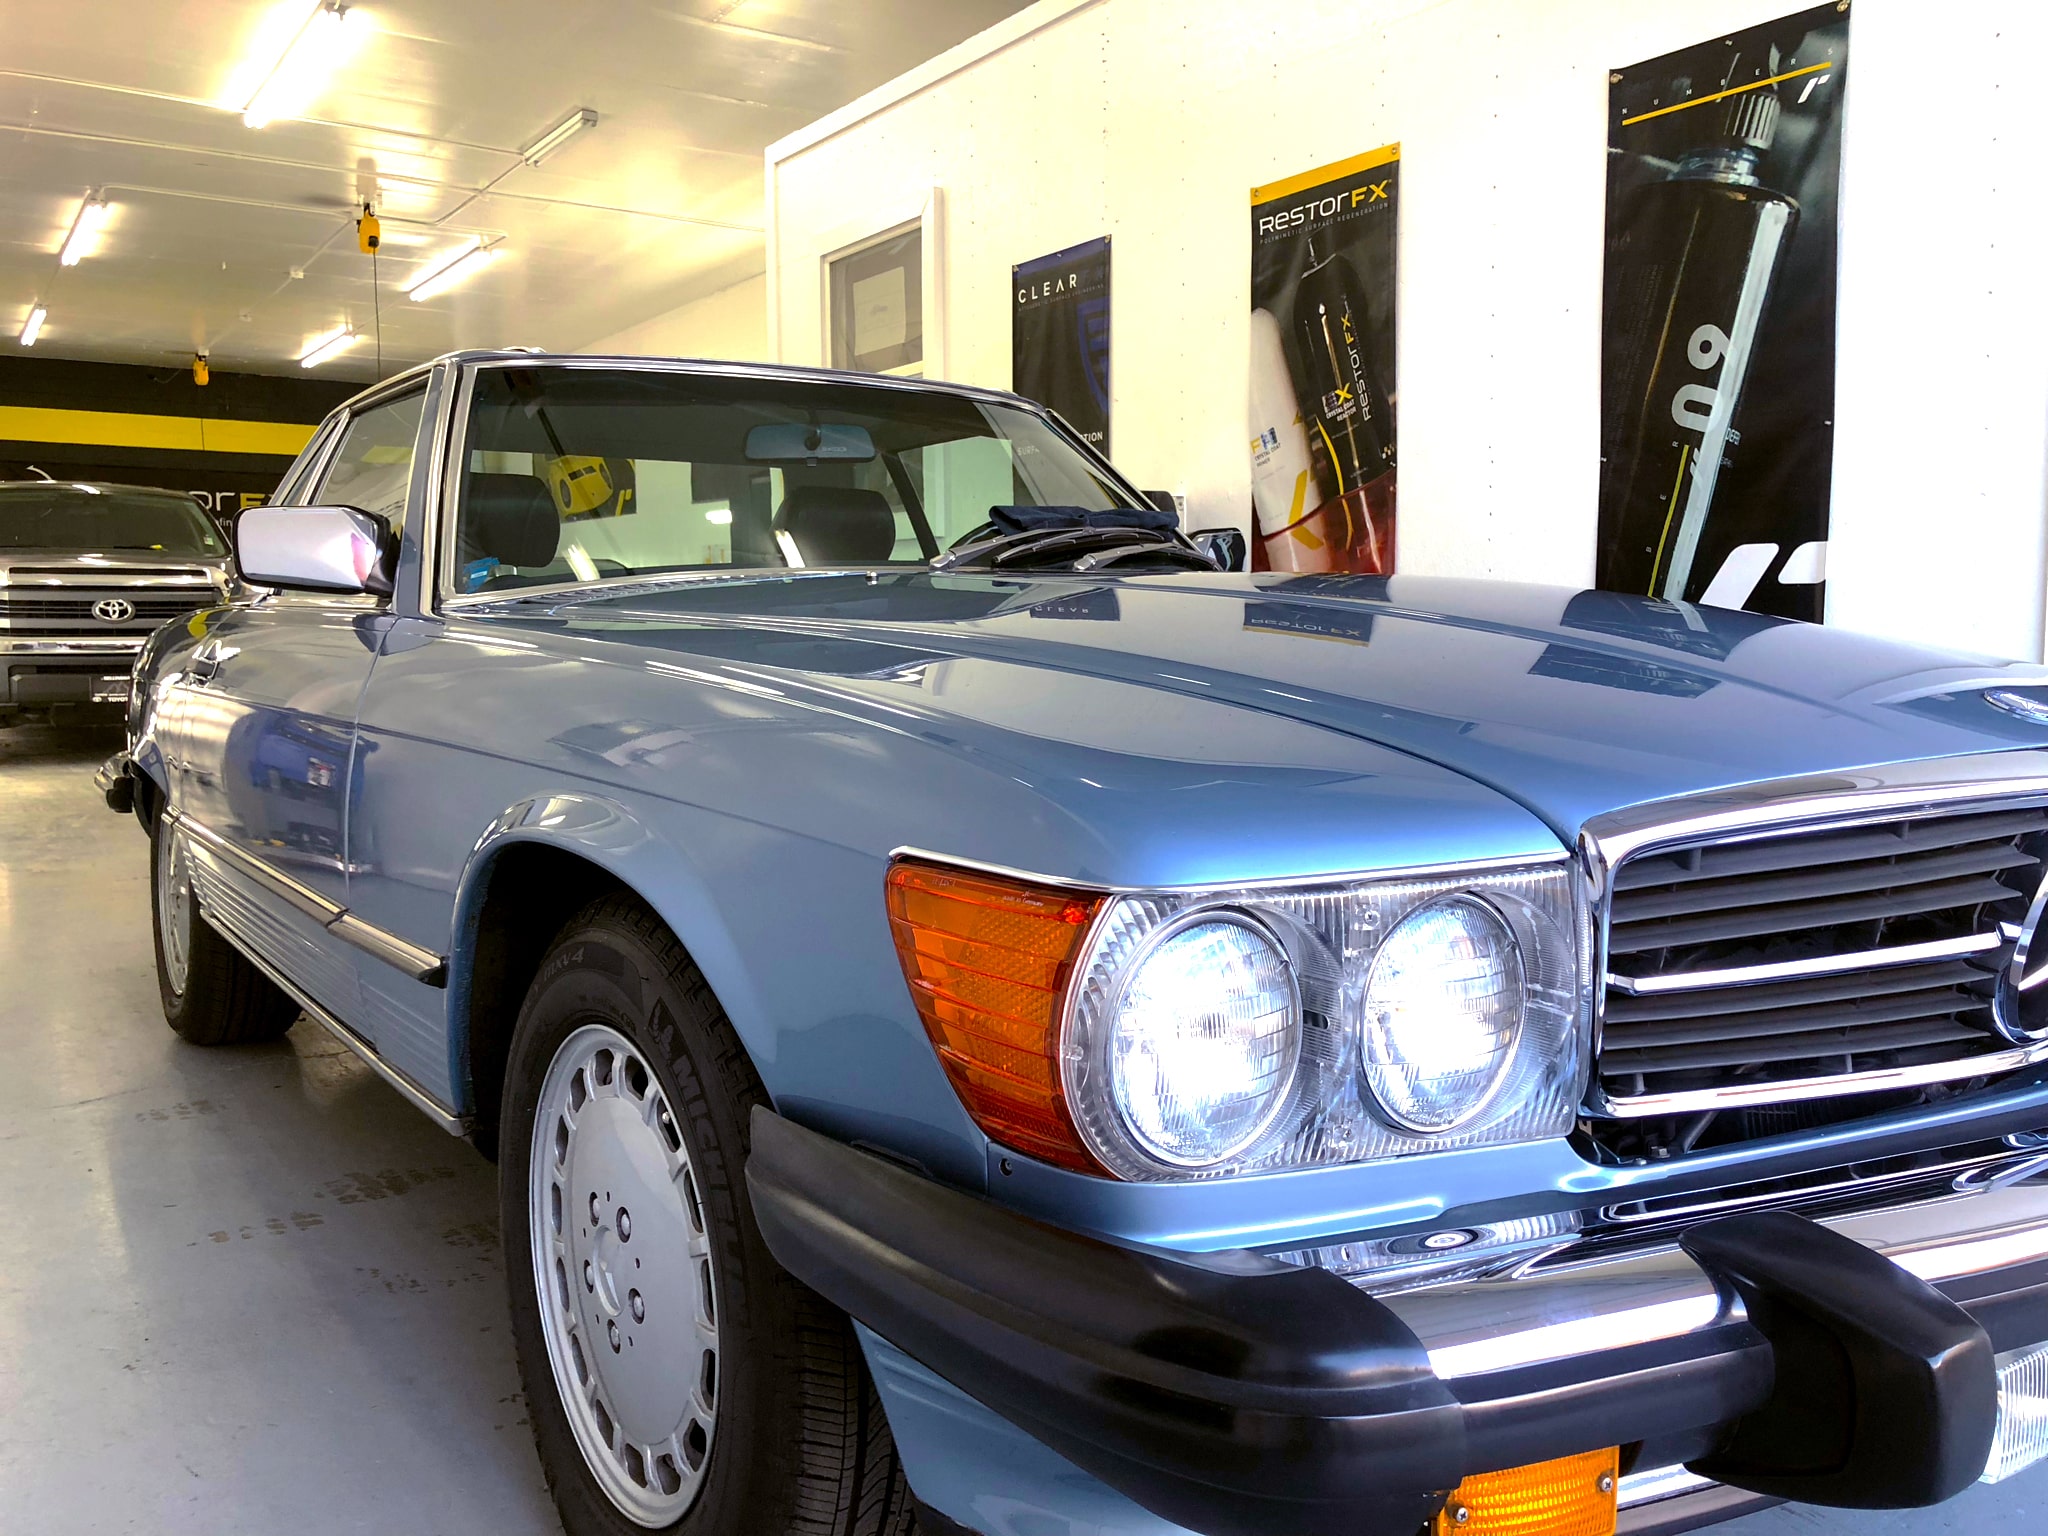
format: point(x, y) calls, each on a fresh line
point(1322, 367)
point(1718, 329)
point(1059, 336)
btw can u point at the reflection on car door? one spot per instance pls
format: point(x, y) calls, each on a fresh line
point(266, 734)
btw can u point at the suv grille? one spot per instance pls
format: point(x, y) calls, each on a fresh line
point(64, 611)
point(1878, 945)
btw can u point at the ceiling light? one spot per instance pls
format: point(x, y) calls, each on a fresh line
point(328, 346)
point(308, 59)
point(457, 268)
point(558, 135)
point(85, 230)
point(34, 328)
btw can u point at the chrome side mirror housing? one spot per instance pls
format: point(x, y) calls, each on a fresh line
point(1225, 546)
point(316, 549)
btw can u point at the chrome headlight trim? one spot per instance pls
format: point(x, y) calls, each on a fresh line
point(1330, 932)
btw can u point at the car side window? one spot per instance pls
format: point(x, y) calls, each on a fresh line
point(372, 467)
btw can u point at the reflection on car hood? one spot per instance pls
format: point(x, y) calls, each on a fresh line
point(1571, 703)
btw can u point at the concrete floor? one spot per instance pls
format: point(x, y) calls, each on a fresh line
point(252, 1289)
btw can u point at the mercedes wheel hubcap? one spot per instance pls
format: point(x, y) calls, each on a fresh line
point(174, 907)
point(622, 1267)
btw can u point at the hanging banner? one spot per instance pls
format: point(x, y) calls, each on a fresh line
point(1718, 332)
point(1059, 336)
point(1322, 367)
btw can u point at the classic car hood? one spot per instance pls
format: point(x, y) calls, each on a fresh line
point(1571, 703)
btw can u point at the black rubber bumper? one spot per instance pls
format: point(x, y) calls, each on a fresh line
point(1241, 1398)
point(115, 780)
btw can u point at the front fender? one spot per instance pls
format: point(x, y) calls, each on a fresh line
point(610, 836)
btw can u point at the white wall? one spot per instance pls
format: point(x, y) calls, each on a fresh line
point(731, 324)
point(1150, 120)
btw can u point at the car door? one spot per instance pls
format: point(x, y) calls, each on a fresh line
point(267, 734)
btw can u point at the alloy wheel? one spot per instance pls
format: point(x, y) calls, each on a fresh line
point(622, 1266)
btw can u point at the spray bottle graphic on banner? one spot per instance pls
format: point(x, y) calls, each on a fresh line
point(1322, 368)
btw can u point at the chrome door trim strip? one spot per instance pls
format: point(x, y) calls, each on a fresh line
point(451, 1122)
point(1819, 965)
point(420, 964)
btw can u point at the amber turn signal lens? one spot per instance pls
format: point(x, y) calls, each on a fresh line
point(1573, 1496)
point(988, 960)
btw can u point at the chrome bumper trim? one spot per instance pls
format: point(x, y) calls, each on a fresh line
point(1543, 1313)
point(96, 648)
point(1659, 1483)
point(420, 964)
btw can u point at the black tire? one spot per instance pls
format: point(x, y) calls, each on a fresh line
point(225, 1000)
point(801, 1446)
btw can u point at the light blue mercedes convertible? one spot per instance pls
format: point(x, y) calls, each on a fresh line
point(991, 1019)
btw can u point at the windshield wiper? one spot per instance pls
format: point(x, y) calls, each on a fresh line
point(1124, 550)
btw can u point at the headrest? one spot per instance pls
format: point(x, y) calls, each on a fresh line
point(511, 519)
point(837, 524)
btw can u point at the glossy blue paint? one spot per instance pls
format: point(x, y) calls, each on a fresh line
point(982, 1470)
point(747, 753)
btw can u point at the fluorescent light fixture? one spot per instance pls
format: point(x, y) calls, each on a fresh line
point(558, 135)
point(457, 268)
point(580, 562)
point(85, 230)
point(327, 346)
point(313, 53)
point(34, 327)
point(719, 516)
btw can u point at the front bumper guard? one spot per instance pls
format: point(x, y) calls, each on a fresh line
point(1233, 1395)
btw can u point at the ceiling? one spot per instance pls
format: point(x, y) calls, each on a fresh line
point(240, 241)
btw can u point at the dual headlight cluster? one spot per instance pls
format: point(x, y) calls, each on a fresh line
point(1274, 1028)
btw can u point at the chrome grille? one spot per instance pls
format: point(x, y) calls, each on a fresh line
point(1772, 967)
point(59, 604)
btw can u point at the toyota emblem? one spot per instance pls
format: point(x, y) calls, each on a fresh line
point(113, 609)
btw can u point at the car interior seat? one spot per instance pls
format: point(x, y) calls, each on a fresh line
point(510, 519)
point(837, 525)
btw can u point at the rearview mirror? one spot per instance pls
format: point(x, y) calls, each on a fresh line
point(1226, 546)
point(316, 549)
point(789, 441)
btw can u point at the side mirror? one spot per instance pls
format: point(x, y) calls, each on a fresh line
point(316, 549)
point(1161, 501)
point(1226, 546)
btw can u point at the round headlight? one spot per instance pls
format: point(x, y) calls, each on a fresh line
point(1443, 1004)
point(1204, 1041)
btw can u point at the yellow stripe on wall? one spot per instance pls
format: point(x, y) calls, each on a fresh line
point(119, 429)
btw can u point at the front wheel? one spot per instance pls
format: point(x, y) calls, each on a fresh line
point(677, 1378)
point(212, 994)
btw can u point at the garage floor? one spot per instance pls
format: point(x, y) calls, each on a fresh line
point(253, 1290)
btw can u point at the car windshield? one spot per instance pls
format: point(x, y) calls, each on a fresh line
point(582, 474)
point(95, 518)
